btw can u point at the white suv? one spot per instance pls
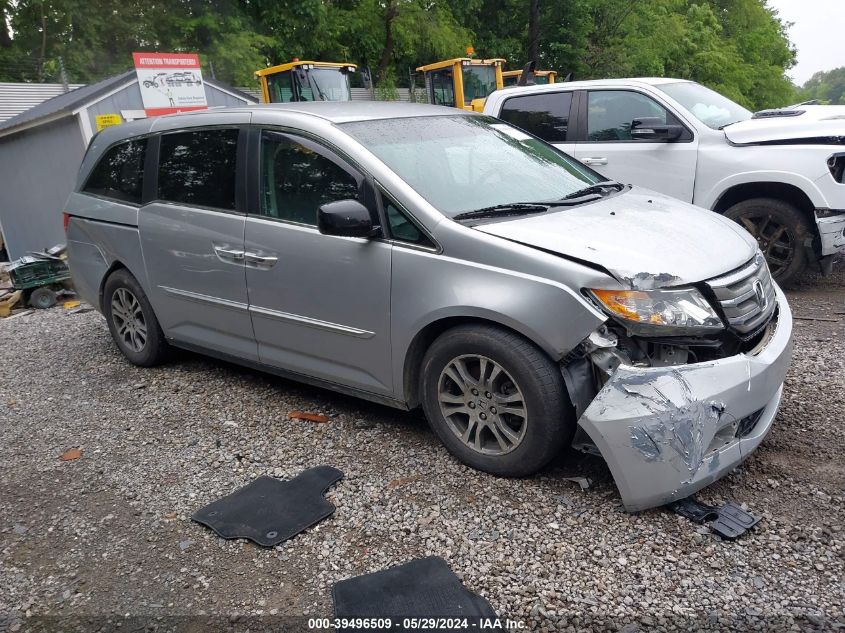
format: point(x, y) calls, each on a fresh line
point(777, 172)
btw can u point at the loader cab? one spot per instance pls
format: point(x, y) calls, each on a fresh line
point(463, 82)
point(541, 77)
point(306, 81)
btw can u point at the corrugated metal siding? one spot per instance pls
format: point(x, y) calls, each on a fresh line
point(253, 92)
point(358, 94)
point(19, 97)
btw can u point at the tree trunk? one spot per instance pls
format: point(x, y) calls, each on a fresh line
point(5, 38)
point(43, 44)
point(534, 31)
point(390, 13)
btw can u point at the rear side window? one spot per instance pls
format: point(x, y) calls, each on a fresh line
point(544, 115)
point(198, 168)
point(120, 172)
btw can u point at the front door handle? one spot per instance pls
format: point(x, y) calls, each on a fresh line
point(229, 255)
point(260, 261)
point(596, 160)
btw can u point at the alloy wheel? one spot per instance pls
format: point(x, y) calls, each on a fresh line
point(482, 404)
point(777, 241)
point(129, 319)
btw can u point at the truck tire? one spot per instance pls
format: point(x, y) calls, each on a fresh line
point(132, 322)
point(781, 231)
point(495, 400)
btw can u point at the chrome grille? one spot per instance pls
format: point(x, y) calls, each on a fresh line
point(747, 295)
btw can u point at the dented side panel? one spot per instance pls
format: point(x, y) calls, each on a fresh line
point(666, 432)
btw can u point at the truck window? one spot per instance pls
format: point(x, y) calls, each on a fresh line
point(120, 173)
point(610, 113)
point(544, 115)
point(197, 168)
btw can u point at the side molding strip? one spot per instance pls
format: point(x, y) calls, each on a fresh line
point(207, 299)
point(309, 322)
point(270, 314)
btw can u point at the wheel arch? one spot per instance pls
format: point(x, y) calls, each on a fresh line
point(113, 268)
point(423, 339)
point(762, 189)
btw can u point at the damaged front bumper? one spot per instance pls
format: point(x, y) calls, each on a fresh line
point(832, 234)
point(667, 432)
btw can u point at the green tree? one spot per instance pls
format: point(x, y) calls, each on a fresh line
point(827, 86)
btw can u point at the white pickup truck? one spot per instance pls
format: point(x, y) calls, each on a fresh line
point(780, 173)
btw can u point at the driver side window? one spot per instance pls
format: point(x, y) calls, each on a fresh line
point(610, 113)
point(296, 180)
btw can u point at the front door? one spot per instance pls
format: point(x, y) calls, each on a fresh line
point(192, 241)
point(320, 304)
point(607, 146)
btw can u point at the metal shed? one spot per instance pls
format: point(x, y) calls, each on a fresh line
point(41, 149)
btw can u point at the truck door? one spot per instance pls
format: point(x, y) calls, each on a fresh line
point(604, 143)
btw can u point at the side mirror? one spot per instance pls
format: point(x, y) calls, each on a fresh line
point(348, 218)
point(648, 128)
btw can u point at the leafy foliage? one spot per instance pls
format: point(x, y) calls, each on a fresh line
point(827, 87)
point(738, 47)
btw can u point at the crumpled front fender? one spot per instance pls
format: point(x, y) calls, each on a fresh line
point(666, 432)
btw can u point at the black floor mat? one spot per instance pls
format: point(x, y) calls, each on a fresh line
point(269, 511)
point(422, 588)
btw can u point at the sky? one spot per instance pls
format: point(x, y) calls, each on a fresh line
point(817, 34)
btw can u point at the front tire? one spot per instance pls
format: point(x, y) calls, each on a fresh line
point(781, 231)
point(132, 322)
point(495, 400)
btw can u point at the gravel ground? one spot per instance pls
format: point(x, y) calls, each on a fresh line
point(106, 541)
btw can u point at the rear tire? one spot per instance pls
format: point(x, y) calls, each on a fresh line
point(132, 322)
point(495, 400)
point(781, 231)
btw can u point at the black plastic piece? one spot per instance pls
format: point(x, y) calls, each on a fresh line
point(729, 521)
point(269, 511)
point(421, 588)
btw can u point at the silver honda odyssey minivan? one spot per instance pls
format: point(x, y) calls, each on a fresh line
point(422, 256)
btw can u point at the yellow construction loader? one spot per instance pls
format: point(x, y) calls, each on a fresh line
point(306, 81)
point(541, 77)
point(463, 82)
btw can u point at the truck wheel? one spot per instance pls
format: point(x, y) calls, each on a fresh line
point(781, 231)
point(42, 298)
point(495, 400)
point(132, 323)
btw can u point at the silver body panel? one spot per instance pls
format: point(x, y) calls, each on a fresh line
point(347, 312)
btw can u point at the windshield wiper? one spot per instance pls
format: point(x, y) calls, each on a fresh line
point(722, 127)
point(599, 188)
point(511, 208)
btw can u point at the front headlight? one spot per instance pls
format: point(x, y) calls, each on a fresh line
point(660, 312)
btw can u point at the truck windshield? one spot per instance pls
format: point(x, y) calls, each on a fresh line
point(707, 106)
point(463, 163)
point(325, 84)
point(479, 82)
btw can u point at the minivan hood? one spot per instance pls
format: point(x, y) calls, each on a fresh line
point(645, 239)
point(816, 124)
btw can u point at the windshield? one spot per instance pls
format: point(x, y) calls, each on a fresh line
point(326, 84)
point(708, 106)
point(464, 163)
point(479, 82)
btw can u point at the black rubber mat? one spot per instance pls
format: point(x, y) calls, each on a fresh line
point(423, 588)
point(269, 511)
